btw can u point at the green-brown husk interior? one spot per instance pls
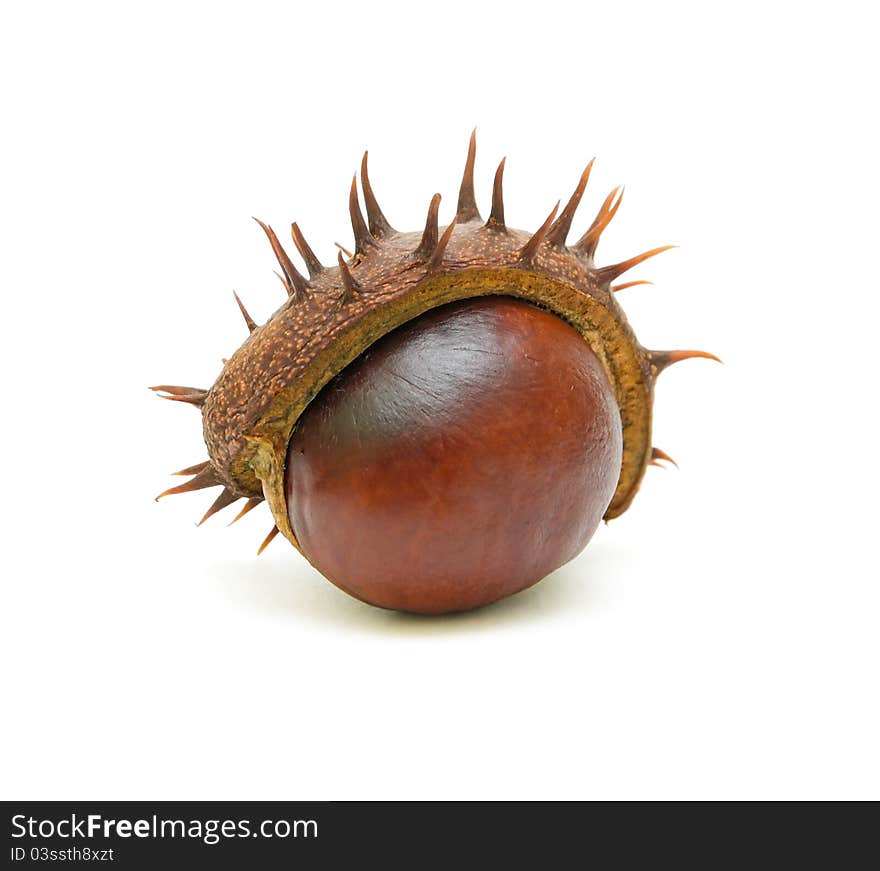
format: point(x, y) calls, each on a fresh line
point(252, 409)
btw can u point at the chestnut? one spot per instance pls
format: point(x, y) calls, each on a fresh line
point(460, 459)
point(443, 417)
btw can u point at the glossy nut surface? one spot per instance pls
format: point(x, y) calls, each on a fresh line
point(461, 459)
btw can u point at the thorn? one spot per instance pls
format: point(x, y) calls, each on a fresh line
point(379, 226)
point(350, 285)
point(207, 477)
point(345, 251)
point(467, 202)
point(362, 235)
point(252, 503)
point(608, 273)
point(168, 388)
point(657, 454)
point(268, 540)
point(251, 324)
point(227, 497)
point(295, 283)
point(429, 237)
point(314, 265)
point(530, 249)
point(437, 256)
point(283, 281)
point(193, 470)
point(588, 243)
point(618, 287)
point(660, 360)
point(559, 231)
point(193, 395)
point(496, 216)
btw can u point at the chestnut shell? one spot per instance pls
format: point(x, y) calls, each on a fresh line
point(391, 278)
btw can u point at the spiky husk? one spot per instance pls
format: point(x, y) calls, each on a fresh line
point(332, 317)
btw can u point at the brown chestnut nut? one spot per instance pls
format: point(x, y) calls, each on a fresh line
point(444, 416)
point(462, 458)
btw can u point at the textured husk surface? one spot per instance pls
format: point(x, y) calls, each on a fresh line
point(252, 409)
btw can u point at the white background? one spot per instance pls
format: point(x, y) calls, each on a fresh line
point(718, 641)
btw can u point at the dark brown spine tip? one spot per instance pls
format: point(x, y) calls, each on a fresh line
point(657, 454)
point(379, 226)
point(618, 287)
point(207, 477)
point(251, 323)
point(227, 497)
point(362, 236)
point(608, 274)
point(467, 201)
point(660, 360)
point(283, 281)
point(349, 284)
point(193, 470)
point(295, 283)
point(530, 249)
point(314, 265)
point(268, 540)
point(437, 256)
point(193, 395)
point(432, 231)
point(588, 243)
point(496, 216)
point(252, 503)
point(559, 231)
